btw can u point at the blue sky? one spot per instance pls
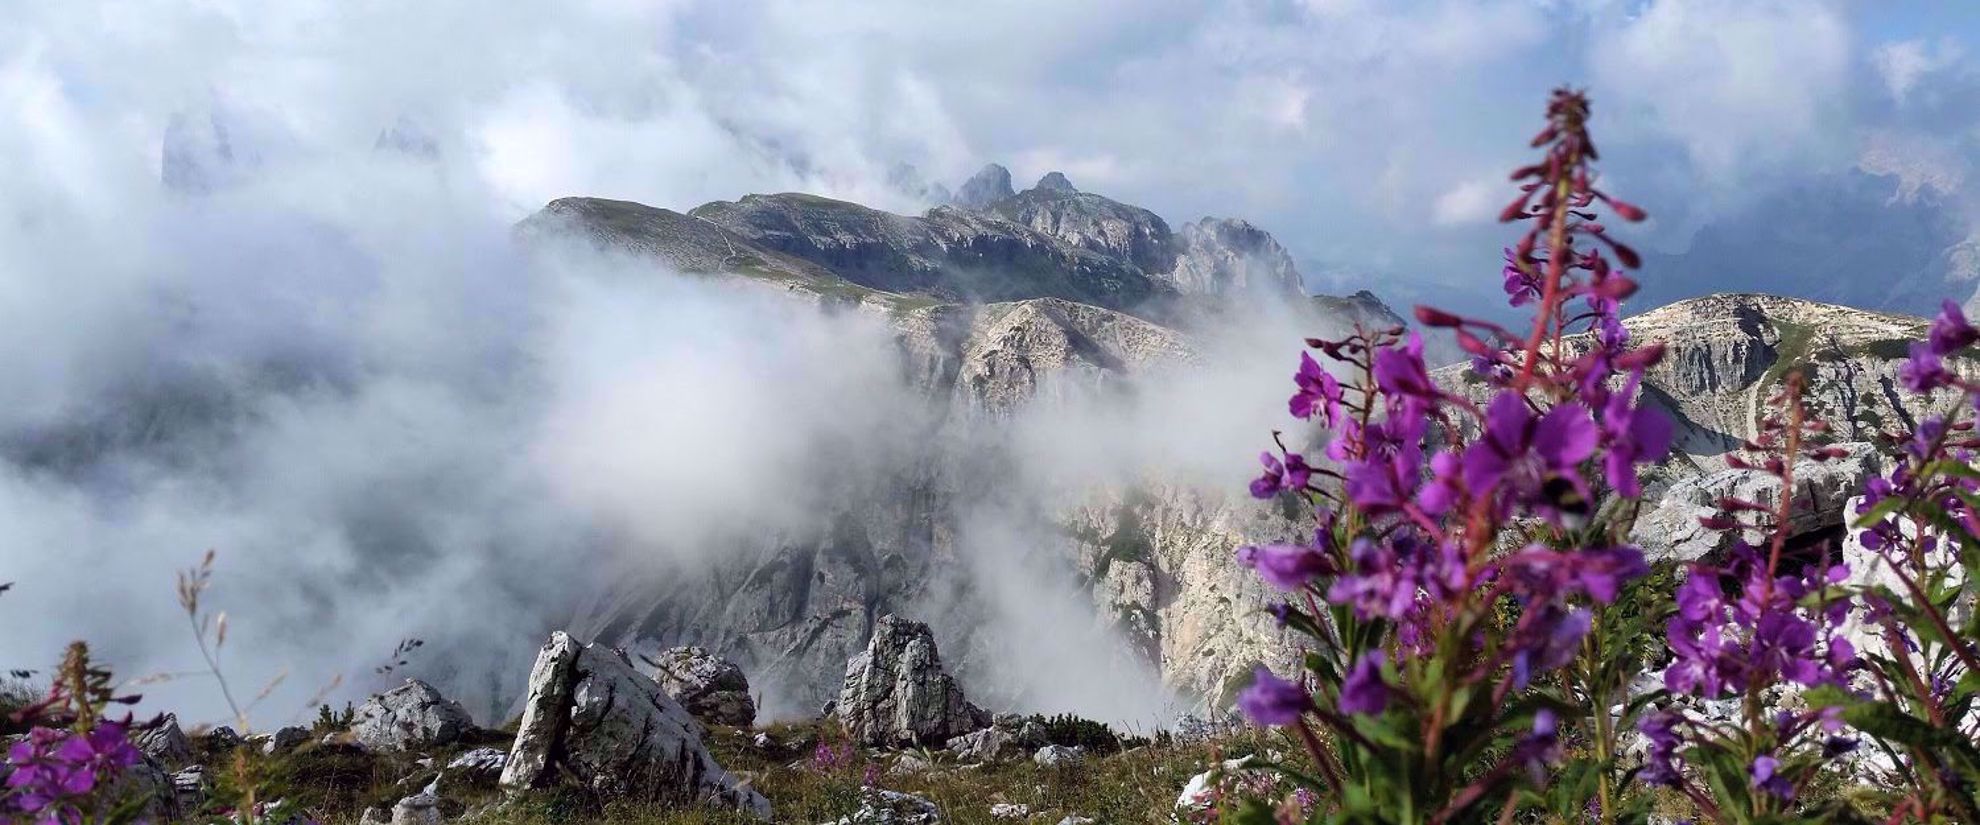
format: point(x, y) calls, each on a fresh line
point(1370, 136)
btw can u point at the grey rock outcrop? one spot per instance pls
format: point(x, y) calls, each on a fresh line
point(989, 185)
point(410, 717)
point(220, 738)
point(1091, 222)
point(1059, 756)
point(190, 789)
point(710, 687)
point(947, 253)
point(418, 809)
point(990, 744)
point(591, 715)
point(879, 806)
point(282, 740)
point(1226, 257)
point(1822, 491)
point(165, 742)
point(896, 693)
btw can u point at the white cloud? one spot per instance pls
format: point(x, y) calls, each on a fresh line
point(1737, 83)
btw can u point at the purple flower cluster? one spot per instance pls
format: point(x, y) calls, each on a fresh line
point(1925, 370)
point(51, 776)
point(1773, 628)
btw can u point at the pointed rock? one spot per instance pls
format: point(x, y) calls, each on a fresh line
point(896, 693)
point(611, 728)
point(412, 716)
point(1055, 182)
point(710, 687)
point(989, 185)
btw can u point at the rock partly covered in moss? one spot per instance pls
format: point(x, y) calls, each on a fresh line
point(896, 693)
point(410, 717)
point(592, 716)
point(713, 689)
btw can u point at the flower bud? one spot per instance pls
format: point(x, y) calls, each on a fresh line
point(1433, 317)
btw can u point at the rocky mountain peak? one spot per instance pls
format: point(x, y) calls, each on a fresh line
point(1055, 182)
point(1226, 256)
point(989, 185)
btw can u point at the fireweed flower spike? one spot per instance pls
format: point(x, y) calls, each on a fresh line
point(1434, 636)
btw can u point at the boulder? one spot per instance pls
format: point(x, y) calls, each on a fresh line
point(480, 762)
point(879, 806)
point(410, 717)
point(713, 689)
point(1057, 756)
point(1822, 490)
point(1010, 810)
point(988, 186)
point(418, 809)
point(987, 745)
point(219, 739)
point(896, 694)
point(282, 740)
point(190, 789)
point(165, 742)
point(591, 715)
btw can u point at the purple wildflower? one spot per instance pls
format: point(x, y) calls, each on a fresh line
point(1441, 494)
point(1542, 574)
point(1526, 452)
point(1318, 393)
point(1400, 371)
point(1923, 371)
point(1364, 692)
point(1381, 583)
point(1660, 762)
point(1292, 474)
point(1549, 639)
point(1950, 331)
point(1766, 776)
point(1284, 566)
point(1521, 288)
point(1636, 435)
point(1270, 700)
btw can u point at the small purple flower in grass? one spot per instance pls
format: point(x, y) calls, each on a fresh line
point(1923, 371)
point(1270, 700)
point(1319, 394)
point(1292, 474)
point(1950, 331)
point(1284, 566)
point(1363, 692)
point(1541, 747)
point(1767, 777)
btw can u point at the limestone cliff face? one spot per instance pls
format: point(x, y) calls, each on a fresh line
point(1725, 357)
point(1155, 555)
point(1093, 222)
point(1727, 353)
point(1223, 256)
